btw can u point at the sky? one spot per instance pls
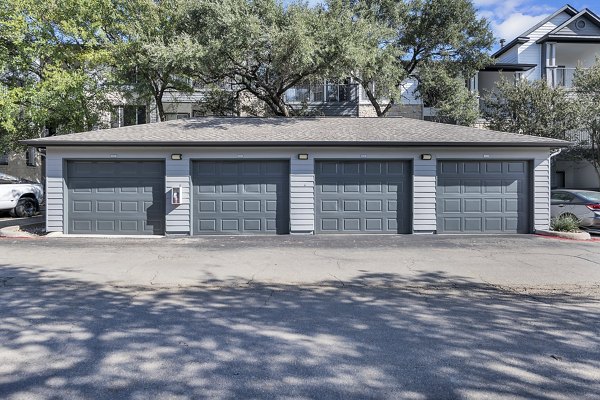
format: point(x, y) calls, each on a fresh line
point(510, 18)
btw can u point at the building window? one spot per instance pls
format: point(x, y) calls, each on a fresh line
point(30, 157)
point(327, 91)
point(174, 116)
point(134, 115)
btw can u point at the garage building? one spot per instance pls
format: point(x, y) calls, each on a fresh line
point(227, 176)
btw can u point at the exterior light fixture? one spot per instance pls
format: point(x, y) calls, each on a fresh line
point(426, 157)
point(176, 157)
point(302, 156)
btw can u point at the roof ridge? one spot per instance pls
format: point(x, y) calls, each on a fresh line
point(565, 8)
point(583, 12)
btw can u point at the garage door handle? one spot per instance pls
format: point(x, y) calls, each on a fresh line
point(561, 205)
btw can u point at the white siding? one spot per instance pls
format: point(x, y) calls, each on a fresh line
point(178, 216)
point(531, 52)
point(302, 195)
point(409, 91)
point(510, 57)
point(54, 192)
point(541, 196)
point(424, 192)
point(302, 178)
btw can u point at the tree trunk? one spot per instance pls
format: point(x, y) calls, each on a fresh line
point(283, 108)
point(159, 106)
point(276, 104)
point(380, 112)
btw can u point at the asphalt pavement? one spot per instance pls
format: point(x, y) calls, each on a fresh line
point(6, 220)
point(300, 318)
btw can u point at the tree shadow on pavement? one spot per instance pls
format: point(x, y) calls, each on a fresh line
point(440, 337)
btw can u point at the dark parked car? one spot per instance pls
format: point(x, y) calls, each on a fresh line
point(583, 204)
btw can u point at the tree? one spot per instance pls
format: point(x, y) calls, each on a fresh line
point(531, 108)
point(53, 55)
point(587, 87)
point(452, 100)
point(442, 34)
point(157, 57)
point(264, 48)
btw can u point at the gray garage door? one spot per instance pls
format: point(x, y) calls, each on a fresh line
point(363, 196)
point(116, 197)
point(483, 197)
point(240, 197)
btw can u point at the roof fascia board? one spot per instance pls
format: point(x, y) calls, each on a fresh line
point(566, 8)
point(518, 40)
point(586, 12)
point(297, 144)
point(508, 67)
point(568, 39)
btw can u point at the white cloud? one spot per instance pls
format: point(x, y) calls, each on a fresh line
point(515, 25)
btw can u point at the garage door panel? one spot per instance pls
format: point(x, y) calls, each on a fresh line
point(255, 199)
point(471, 168)
point(493, 224)
point(493, 200)
point(451, 224)
point(109, 206)
point(473, 224)
point(115, 197)
point(361, 197)
point(492, 205)
point(228, 225)
point(492, 167)
point(515, 167)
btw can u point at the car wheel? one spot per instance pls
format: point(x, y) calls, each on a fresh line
point(25, 208)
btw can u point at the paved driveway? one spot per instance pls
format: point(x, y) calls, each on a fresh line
point(6, 220)
point(300, 317)
point(528, 261)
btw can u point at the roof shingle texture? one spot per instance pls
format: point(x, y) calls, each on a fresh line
point(296, 131)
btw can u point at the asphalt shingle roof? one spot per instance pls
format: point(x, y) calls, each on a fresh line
point(325, 131)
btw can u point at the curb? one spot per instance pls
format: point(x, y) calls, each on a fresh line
point(15, 233)
point(565, 235)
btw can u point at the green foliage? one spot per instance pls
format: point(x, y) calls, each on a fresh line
point(158, 56)
point(565, 223)
point(531, 108)
point(414, 36)
point(52, 55)
point(587, 86)
point(264, 48)
point(449, 95)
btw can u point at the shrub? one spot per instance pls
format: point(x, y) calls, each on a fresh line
point(565, 223)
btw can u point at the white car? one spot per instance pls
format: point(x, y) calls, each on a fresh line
point(581, 204)
point(22, 198)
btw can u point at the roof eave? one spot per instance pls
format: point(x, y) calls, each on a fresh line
point(568, 39)
point(509, 67)
point(517, 41)
point(42, 144)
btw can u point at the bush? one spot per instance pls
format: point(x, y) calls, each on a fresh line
point(565, 223)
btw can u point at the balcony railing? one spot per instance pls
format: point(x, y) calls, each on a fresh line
point(579, 137)
point(322, 93)
point(561, 77)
